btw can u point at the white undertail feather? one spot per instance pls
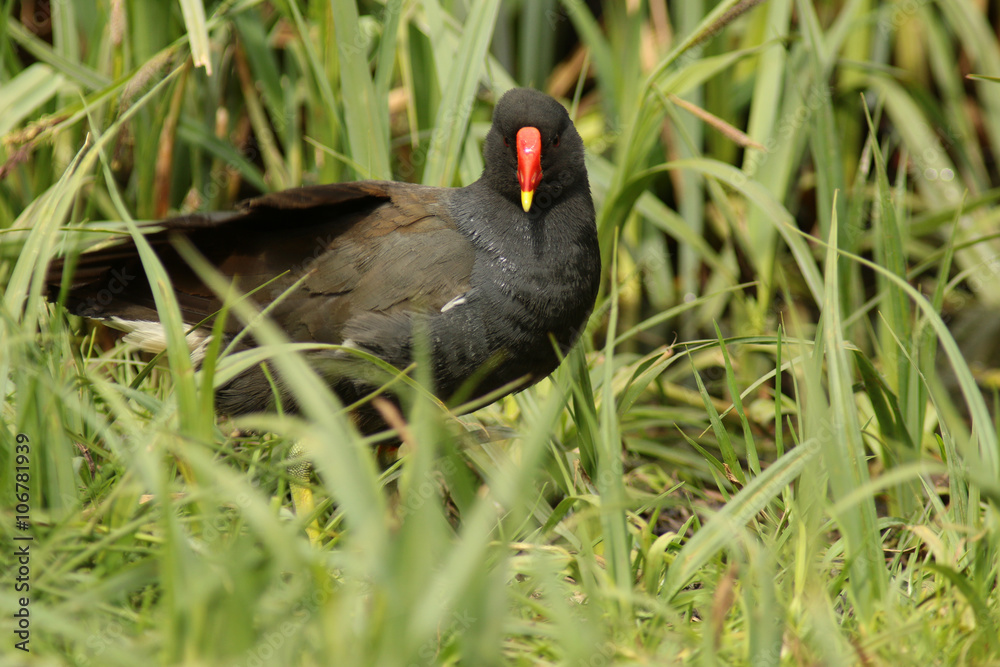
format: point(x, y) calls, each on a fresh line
point(457, 301)
point(152, 337)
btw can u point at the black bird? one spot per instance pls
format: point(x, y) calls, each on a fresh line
point(492, 272)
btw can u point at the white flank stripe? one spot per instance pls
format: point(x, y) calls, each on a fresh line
point(457, 301)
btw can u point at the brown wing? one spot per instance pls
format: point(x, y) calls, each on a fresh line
point(368, 250)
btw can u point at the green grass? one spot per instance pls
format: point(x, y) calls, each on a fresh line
point(776, 445)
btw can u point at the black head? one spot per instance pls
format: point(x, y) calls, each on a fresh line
point(561, 149)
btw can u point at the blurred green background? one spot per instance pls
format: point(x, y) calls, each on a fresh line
point(776, 444)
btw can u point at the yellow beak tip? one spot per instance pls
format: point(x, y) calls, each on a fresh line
point(526, 197)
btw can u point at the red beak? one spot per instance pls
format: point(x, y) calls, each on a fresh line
point(529, 163)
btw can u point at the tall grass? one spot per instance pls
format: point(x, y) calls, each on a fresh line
point(776, 444)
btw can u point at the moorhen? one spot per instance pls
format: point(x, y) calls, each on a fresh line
point(495, 272)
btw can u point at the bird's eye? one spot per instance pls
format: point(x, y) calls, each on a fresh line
point(506, 143)
point(555, 140)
